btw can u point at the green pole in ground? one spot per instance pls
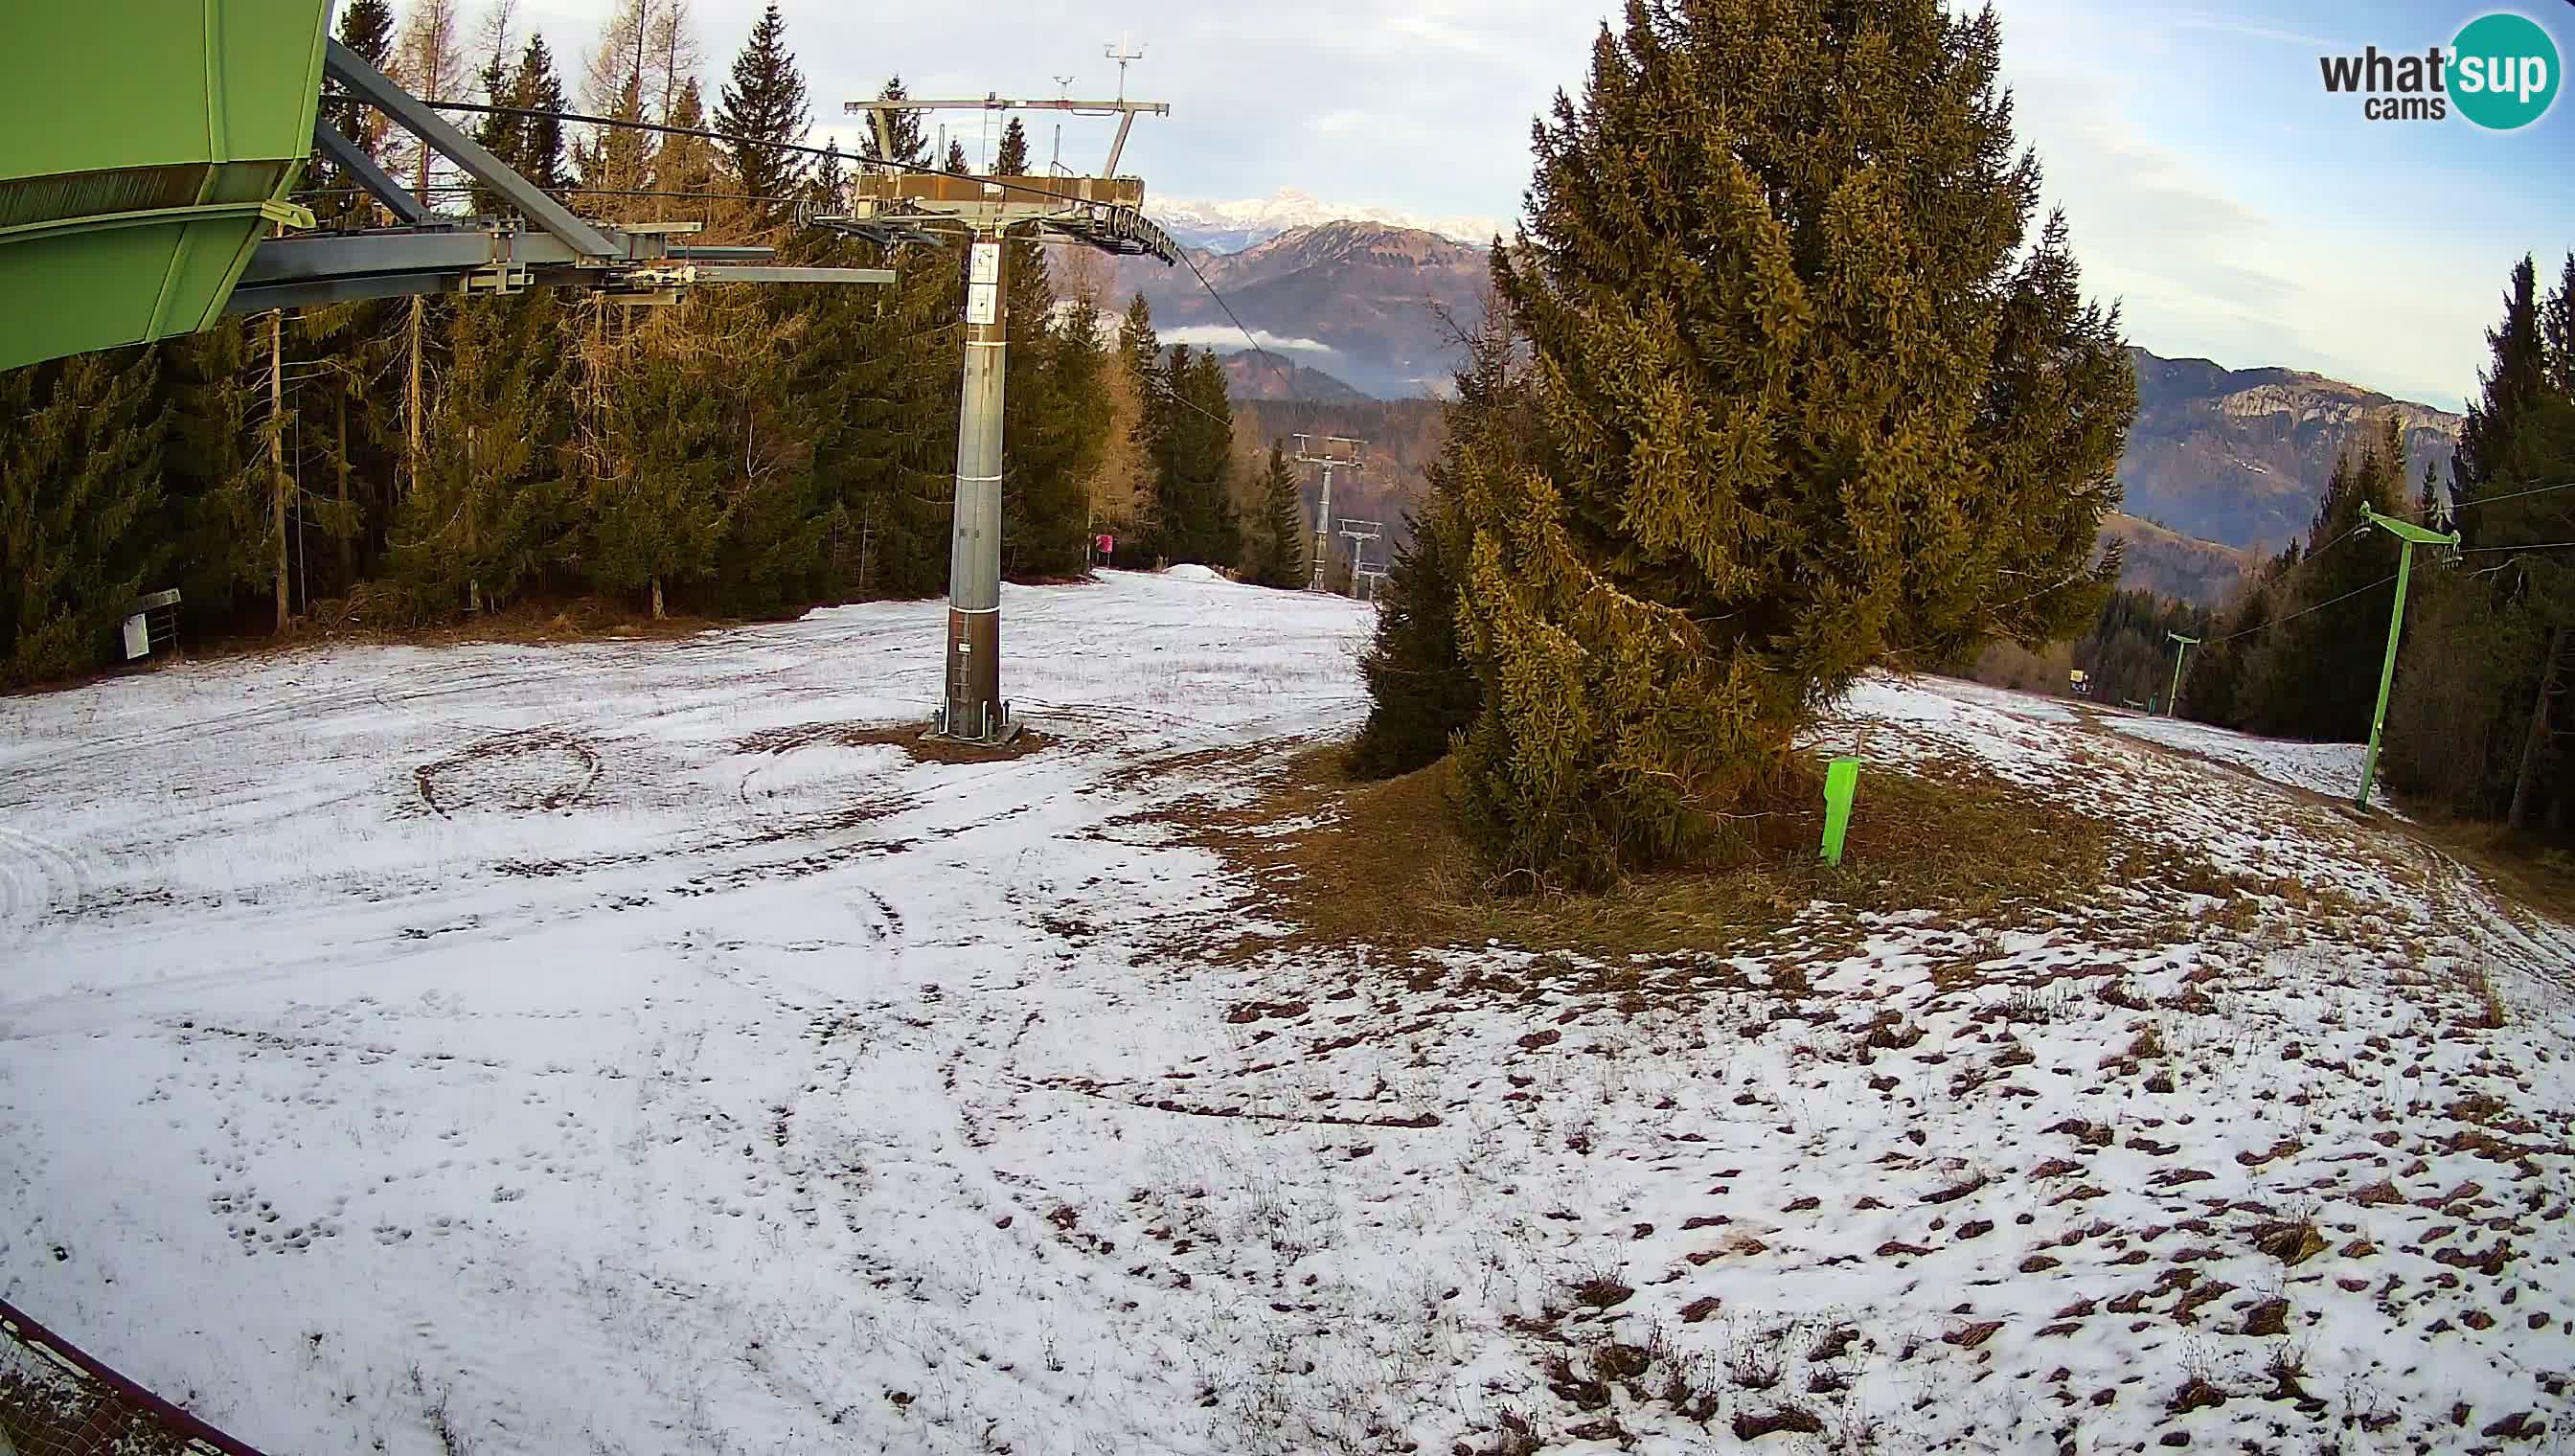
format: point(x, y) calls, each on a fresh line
point(1841, 785)
point(2413, 536)
point(2172, 704)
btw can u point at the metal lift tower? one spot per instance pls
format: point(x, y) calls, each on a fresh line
point(1101, 212)
point(1339, 452)
point(1358, 533)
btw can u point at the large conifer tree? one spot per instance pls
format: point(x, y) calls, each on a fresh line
point(1809, 398)
point(763, 106)
point(79, 490)
point(2513, 385)
point(1282, 559)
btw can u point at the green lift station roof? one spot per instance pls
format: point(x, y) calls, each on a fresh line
point(145, 147)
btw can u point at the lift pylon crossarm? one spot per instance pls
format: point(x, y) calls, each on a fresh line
point(879, 109)
point(1106, 213)
point(2408, 530)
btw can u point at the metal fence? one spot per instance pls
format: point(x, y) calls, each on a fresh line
point(57, 1401)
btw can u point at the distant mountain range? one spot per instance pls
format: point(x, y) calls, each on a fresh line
point(1230, 227)
point(2221, 466)
point(1361, 302)
point(2240, 456)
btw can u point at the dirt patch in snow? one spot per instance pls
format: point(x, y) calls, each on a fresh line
point(915, 740)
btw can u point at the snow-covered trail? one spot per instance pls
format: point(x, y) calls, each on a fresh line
point(592, 1045)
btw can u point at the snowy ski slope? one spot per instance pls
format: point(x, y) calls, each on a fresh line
point(594, 1049)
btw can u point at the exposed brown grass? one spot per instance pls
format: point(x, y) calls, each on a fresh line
point(913, 739)
point(1384, 864)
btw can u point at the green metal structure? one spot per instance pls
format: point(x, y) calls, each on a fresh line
point(2172, 704)
point(146, 146)
point(2409, 536)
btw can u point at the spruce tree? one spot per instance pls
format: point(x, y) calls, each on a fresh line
point(1422, 693)
point(79, 490)
point(2511, 386)
point(495, 509)
point(911, 145)
point(1810, 398)
point(762, 107)
point(536, 86)
point(1139, 354)
point(1281, 562)
point(770, 556)
point(215, 489)
point(827, 189)
point(1056, 435)
point(367, 27)
point(956, 164)
point(1194, 503)
point(656, 483)
point(686, 163)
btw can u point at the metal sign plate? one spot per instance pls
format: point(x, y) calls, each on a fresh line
point(985, 265)
point(982, 301)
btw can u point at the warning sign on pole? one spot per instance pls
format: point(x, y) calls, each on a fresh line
point(986, 265)
point(982, 301)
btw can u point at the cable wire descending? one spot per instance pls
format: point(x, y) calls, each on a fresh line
point(2475, 501)
point(2294, 615)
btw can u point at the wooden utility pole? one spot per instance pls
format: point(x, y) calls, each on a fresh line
point(348, 557)
point(410, 451)
point(277, 446)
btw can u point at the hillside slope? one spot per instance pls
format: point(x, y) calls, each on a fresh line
point(2172, 565)
point(633, 1047)
point(2240, 456)
point(1363, 302)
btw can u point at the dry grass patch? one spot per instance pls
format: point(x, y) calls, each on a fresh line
point(913, 739)
point(1383, 863)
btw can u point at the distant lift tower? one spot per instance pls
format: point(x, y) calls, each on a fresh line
point(1358, 533)
point(1339, 452)
point(1103, 212)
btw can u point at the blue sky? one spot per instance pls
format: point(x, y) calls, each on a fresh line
point(2238, 210)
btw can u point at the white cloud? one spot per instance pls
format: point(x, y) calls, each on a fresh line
point(1225, 339)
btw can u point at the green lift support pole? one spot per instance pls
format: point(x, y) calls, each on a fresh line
point(2172, 704)
point(2411, 535)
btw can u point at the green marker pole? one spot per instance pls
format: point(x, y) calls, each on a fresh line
point(2413, 536)
point(1842, 784)
point(2172, 704)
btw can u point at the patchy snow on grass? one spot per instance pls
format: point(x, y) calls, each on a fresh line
point(601, 1049)
point(2328, 769)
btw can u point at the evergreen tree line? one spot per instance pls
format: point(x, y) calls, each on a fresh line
point(2478, 722)
point(1778, 385)
point(2129, 654)
point(751, 451)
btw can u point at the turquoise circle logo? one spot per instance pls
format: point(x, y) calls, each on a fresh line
point(2504, 71)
